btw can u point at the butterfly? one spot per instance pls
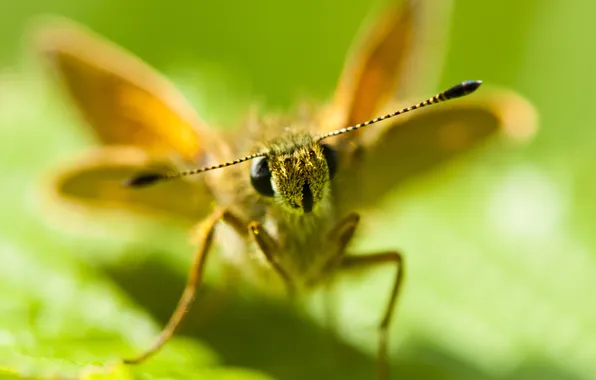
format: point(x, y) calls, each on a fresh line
point(283, 194)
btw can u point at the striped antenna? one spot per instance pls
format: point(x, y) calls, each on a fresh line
point(457, 91)
point(150, 178)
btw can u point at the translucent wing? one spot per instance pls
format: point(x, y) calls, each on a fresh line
point(123, 100)
point(126, 104)
point(398, 58)
point(401, 54)
point(96, 181)
point(411, 145)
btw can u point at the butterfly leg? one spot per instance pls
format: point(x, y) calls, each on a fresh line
point(340, 236)
point(381, 258)
point(194, 280)
point(342, 233)
point(269, 248)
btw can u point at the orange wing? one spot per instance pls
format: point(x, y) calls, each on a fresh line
point(95, 181)
point(123, 100)
point(140, 117)
point(399, 56)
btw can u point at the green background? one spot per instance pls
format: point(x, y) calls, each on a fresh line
point(500, 245)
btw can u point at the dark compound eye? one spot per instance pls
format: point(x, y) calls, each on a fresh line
point(260, 176)
point(331, 158)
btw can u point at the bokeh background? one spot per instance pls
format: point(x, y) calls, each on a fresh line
point(500, 245)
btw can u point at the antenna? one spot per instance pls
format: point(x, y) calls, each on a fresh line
point(457, 91)
point(149, 178)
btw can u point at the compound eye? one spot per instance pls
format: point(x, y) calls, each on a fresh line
point(331, 158)
point(260, 177)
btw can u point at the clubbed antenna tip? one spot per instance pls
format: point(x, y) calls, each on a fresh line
point(144, 179)
point(462, 89)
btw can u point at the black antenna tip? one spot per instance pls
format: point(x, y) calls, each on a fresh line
point(145, 179)
point(462, 89)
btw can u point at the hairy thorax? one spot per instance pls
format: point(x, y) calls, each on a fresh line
point(299, 226)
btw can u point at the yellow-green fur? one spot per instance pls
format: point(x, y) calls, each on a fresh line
point(294, 158)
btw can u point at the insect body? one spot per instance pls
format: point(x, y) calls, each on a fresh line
point(290, 198)
point(307, 239)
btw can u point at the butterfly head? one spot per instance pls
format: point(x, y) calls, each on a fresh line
point(295, 173)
